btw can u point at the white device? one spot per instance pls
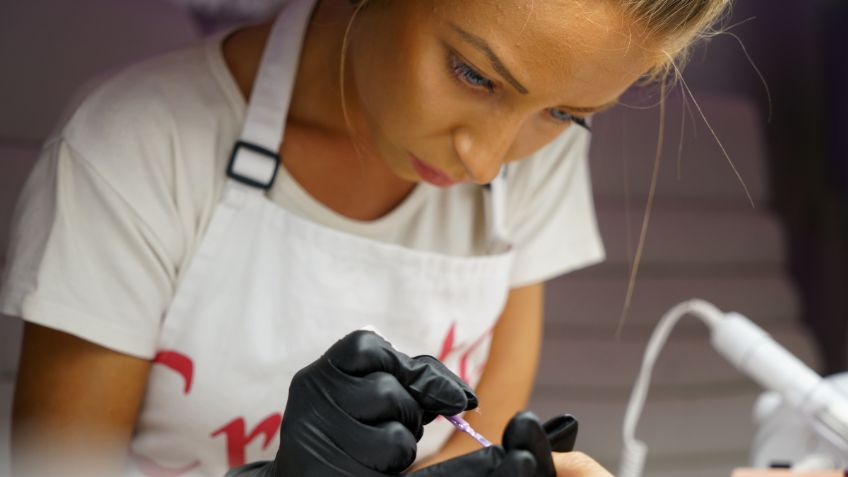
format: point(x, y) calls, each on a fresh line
point(753, 352)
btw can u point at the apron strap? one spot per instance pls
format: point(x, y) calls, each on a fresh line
point(494, 204)
point(254, 160)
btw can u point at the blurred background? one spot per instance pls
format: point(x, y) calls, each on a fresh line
point(783, 263)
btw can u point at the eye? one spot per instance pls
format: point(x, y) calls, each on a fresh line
point(469, 75)
point(561, 116)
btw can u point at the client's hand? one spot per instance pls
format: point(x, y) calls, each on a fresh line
point(526, 452)
point(525, 432)
point(578, 464)
point(359, 410)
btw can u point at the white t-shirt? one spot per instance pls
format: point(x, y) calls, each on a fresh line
point(121, 196)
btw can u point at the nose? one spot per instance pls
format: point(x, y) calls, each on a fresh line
point(483, 150)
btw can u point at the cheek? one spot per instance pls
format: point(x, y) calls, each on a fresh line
point(435, 106)
point(399, 93)
point(415, 108)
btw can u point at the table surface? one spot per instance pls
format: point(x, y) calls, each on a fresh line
point(787, 473)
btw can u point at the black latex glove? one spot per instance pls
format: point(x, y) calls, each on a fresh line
point(359, 410)
point(525, 453)
point(525, 431)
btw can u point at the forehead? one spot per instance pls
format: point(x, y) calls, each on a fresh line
point(585, 46)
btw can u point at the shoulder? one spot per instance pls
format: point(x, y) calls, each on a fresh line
point(157, 122)
point(146, 102)
point(156, 134)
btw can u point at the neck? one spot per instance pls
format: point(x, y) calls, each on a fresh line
point(317, 95)
point(317, 106)
point(318, 138)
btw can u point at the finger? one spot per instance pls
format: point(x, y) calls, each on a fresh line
point(470, 395)
point(428, 417)
point(578, 464)
point(362, 352)
point(387, 447)
point(379, 397)
point(476, 464)
point(525, 432)
point(561, 431)
point(435, 387)
point(517, 463)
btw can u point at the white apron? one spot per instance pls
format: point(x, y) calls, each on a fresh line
point(268, 292)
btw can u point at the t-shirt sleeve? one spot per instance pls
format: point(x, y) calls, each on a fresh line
point(87, 254)
point(550, 212)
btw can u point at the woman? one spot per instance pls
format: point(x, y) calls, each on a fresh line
point(173, 283)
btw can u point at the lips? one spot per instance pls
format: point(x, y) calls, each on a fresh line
point(431, 174)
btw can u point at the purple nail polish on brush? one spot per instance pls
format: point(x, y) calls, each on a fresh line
point(465, 427)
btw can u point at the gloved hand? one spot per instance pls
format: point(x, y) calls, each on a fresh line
point(524, 431)
point(525, 453)
point(359, 410)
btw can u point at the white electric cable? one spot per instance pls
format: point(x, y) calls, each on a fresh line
point(753, 352)
point(634, 451)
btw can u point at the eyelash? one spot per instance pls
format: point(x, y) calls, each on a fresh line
point(582, 122)
point(468, 75)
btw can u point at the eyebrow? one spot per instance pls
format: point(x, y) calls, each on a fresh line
point(482, 45)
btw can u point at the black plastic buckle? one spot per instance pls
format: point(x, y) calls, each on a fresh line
point(257, 149)
point(503, 172)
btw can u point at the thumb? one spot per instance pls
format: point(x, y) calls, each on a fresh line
point(525, 432)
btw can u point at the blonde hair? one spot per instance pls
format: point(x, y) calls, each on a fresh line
point(678, 24)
